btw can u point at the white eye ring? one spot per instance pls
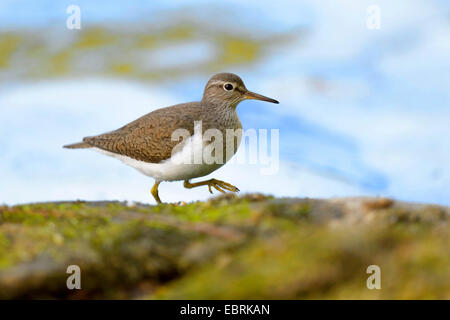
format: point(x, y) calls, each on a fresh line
point(228, 87)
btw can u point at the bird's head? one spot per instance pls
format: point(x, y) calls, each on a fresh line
point(228, 89)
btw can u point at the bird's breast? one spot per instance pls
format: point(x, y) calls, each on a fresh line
point(226, 137)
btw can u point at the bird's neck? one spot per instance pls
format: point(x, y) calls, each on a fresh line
point(220, 106)
point(222, 115)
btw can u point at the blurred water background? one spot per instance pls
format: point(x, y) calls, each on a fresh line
point(362, 111)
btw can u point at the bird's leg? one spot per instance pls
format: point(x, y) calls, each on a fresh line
point(216, 184)
point(155, 191)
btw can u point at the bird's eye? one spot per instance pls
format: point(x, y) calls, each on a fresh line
point(228, 86)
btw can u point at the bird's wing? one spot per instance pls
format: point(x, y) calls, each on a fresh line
point(149, 138)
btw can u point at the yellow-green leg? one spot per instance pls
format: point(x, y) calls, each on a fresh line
point(155, 191)
point(216, 184)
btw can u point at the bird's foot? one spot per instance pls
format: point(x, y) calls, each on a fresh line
point(219, 185)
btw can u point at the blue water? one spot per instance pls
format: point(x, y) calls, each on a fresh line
point(362, 112)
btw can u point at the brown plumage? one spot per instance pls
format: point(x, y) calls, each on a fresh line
point(149, 138)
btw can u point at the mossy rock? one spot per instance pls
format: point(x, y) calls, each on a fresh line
point(229, 247)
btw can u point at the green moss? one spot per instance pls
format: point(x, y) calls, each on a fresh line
point(122, 50)
point(236, 50)
point(179, 32)
point(146, 41)
point(320, 263)
point(247, 247)
point(123, 68)
point(95, 37)
point(60, 63)
point(9, 43)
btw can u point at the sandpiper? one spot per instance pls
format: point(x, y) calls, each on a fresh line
point(147, 144)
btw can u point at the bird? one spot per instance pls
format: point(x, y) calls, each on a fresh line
point(164, 143)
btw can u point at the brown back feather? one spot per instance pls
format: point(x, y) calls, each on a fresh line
point(149, 138)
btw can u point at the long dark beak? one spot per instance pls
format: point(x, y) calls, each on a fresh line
point(252, 95)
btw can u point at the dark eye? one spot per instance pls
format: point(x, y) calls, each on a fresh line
point(228, 86)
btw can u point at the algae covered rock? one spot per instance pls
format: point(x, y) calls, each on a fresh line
point(230, 247)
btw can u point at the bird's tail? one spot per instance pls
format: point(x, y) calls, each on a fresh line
point(79, 145)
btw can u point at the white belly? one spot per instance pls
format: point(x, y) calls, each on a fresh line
point(166, 170)
point(179, 167)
